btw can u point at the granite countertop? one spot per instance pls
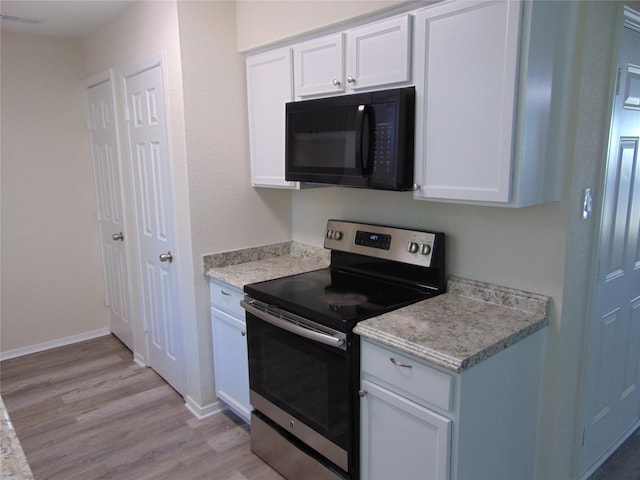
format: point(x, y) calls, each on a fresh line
point(470, 323)
point(14, 463)
point(456, 330)
point(240, 267)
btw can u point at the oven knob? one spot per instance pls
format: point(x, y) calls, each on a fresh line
point(292, 424)
point(337, 235)
point(329, 233)
point(425, 249)
point(412, 247)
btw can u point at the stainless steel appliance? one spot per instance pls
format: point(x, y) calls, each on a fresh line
point(303, 357)
point(362, 140)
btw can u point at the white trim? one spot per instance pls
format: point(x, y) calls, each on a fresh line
point(156, 60)
point(139, 359)
point(60, 342)
point(206, 411)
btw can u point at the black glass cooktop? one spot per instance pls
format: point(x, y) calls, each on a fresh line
point(335, 298)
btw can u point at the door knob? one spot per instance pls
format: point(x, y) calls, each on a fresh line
point(118, 236)
point(166, 257)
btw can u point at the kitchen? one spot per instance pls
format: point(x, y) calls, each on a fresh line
point(217, 209)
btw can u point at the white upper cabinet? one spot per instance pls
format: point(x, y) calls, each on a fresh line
point(269, 88)
point(379, 54)
point(366, 57)
point(318, 66)
point(488, 130)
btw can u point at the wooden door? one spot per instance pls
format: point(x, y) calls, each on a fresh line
point(146, 116)
point(612, 396)
point(101, 122)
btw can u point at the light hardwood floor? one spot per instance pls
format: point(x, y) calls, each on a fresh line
point(86, 411)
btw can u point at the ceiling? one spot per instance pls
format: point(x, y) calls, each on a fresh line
point(59, 18)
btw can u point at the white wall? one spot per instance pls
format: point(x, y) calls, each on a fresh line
point(226, 212)
point(263, 22)
point(52, 285)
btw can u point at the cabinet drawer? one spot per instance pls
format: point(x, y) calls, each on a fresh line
point(405, 373)
point(226, 297)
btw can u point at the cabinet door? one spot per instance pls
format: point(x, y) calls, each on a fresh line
point(269, 87)
point(467, 56)
point(231, 365)
point(318, 66)
point(379, 54)
point(401, 439)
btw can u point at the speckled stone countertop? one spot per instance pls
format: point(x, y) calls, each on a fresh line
point(250, 265)
point(14, 463)
point(457, 330)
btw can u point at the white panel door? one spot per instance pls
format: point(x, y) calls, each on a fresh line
point(151, 162)
point(612, 396)
point(108, 181)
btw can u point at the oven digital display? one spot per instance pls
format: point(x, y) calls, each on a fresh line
point(373, 240)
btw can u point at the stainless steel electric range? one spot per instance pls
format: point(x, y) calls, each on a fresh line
point(304, 360)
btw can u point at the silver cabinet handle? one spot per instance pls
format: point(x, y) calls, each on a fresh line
point(226, 294)
point(362, 393)
point(336, 82)
point(400, 364)
point(118, 236)
point(243, 333)
point(351, 79)
point(166, 257)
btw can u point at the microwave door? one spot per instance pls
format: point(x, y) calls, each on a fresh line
point(365, 136)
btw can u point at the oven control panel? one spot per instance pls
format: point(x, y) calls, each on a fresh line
point(399, 244)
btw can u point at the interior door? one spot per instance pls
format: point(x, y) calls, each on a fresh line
point(612, 396)
point(101, 122)
point(146, 116)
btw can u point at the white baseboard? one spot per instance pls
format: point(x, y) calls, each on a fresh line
point(60, 342)
point(203, 412)
point(139, 359)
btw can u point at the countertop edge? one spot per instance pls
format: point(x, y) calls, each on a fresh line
point(405, 331)
point(14, 462)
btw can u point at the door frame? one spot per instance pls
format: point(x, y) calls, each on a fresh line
point(626, 15)
point(157, 60)
point(92, 81)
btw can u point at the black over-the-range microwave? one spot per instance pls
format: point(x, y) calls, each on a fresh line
point(361, 140)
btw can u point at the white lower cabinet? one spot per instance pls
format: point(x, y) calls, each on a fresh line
point(230, 359)
point(422, 421)
point(400, 438)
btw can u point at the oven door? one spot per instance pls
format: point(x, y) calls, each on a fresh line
point(299, 378)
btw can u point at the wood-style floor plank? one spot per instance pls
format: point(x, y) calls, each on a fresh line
point(87, 412)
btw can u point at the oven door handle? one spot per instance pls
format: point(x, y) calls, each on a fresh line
point(294, 328)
